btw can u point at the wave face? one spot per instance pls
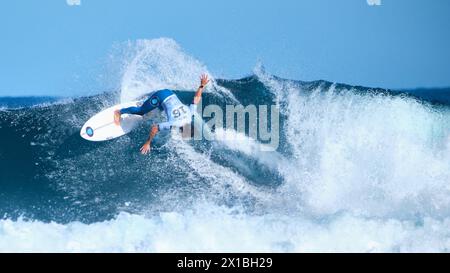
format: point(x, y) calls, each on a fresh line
point(357, 169)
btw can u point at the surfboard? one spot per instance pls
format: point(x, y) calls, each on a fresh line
point(101, 126)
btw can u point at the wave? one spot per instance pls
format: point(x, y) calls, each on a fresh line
point(357, 169)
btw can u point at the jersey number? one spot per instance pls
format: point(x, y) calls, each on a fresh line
point(176, 112)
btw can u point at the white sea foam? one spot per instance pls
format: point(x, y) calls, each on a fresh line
point(371, 155)
point(238, 141)
point(213, 228)
point(219, 177)
point(150, 65)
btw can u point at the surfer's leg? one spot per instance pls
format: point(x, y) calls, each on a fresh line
point(130, 110)
point(146, 107)
point(134, 110)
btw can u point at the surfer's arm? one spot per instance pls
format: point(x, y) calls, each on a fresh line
point(203, 82)
point(146, 147)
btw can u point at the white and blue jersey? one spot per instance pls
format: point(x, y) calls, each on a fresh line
point(178, 114)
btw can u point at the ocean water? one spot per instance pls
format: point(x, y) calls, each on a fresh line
point(357, 169)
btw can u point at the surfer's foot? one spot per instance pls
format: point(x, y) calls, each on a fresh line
point(117, 117)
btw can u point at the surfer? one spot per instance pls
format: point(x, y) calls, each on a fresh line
point(178, 114)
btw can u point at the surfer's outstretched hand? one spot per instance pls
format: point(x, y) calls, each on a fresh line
point(203, 82)
point(145, 149)
point(204, 79)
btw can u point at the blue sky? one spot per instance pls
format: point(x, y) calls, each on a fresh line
point(51, 47)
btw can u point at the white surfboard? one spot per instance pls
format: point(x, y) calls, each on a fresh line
point(101, 127)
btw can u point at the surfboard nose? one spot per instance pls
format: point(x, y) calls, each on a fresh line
point(86, 132)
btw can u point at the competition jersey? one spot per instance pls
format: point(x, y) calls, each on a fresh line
point(178, 114)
